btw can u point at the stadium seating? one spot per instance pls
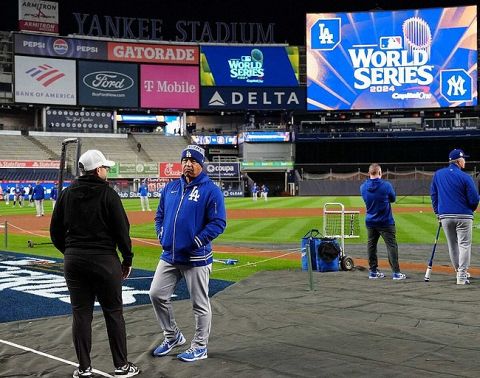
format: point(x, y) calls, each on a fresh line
point(161, 147)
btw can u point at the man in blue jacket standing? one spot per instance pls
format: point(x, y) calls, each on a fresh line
point(191, 213)
point(454, 199)
point(143, 194)
point(38, 197)
point(377, 195)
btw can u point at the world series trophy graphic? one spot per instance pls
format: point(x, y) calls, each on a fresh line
point(417, 35)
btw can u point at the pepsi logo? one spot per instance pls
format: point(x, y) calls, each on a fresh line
point(60, 46)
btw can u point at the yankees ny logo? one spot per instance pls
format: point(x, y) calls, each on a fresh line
point(194, 195)
point(457, 86)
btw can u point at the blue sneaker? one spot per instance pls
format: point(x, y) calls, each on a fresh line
point(399, 276)
point(375, 275)
point(193, 354)
point(164, 348)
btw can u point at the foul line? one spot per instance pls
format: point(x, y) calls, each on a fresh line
point(26, 231)
point(52, 357)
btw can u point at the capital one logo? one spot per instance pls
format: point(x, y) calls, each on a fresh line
point(325, 34)
point(456, 85)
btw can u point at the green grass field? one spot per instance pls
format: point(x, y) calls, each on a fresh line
point(416, 227)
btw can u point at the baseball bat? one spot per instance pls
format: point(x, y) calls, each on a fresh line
point(430, 262)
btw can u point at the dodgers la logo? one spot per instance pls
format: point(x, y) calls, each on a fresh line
point(326, 34)
point(194, 195)
point(456, 85)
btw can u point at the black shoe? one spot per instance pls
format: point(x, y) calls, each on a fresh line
point(78, 373)
point(128, 370)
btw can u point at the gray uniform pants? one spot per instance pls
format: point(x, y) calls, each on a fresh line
point(163, 285)
point(458, 232)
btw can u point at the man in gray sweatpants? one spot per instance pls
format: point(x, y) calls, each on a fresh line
point(191, 213)
point(454, 199)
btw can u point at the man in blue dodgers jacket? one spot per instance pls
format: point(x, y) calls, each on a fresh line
point(191, 213)
point(454, 199)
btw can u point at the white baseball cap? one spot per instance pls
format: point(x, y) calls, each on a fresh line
point(93, 159)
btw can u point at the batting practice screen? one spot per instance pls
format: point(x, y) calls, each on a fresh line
point(423, 58)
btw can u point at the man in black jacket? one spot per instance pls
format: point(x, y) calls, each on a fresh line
point(88, 224)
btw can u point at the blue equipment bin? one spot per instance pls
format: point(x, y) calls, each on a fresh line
point(324, 252)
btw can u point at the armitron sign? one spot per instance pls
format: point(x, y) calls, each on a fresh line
point(38, 15)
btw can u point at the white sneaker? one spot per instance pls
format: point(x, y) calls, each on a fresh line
point(462, 278)
point(399, 276)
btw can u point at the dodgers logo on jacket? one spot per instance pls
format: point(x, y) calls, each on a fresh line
point(194, 195)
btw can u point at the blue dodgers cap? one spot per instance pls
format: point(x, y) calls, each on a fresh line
point(457, 153)
point(195, 152)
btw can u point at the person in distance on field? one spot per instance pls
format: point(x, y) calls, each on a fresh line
point(454, 199)
point(378, 195)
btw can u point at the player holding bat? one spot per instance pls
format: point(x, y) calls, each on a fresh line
point(454, 199)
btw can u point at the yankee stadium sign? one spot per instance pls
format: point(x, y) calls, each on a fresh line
point(185, 30)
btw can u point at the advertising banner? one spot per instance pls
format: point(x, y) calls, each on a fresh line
point(99, 121)
point(107, 84)
point(263, 165)
point(169, 170)
point(222, 170)
point(153, 53)
point(259, 66)
point(266, 136)
point(37, 164)
point(45, 81)
point(214, 139)
point(169, 87)
point(38, 15)
point(31, 44)
point(423, 58)
point(253, 98)
point(233, 193)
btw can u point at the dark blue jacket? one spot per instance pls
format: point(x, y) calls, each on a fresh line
point(38, 192)
point(143, 190)
point(54, 193)
point(453, 193)
point(188, 218)
point(377, 195)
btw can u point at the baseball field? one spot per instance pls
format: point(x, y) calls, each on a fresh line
point(261, 235)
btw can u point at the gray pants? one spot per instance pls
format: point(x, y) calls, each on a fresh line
point(161, 290)
point(388, 235)
point(458, 232)
point(145, 203)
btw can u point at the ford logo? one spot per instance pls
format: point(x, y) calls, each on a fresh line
point(108, 81)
